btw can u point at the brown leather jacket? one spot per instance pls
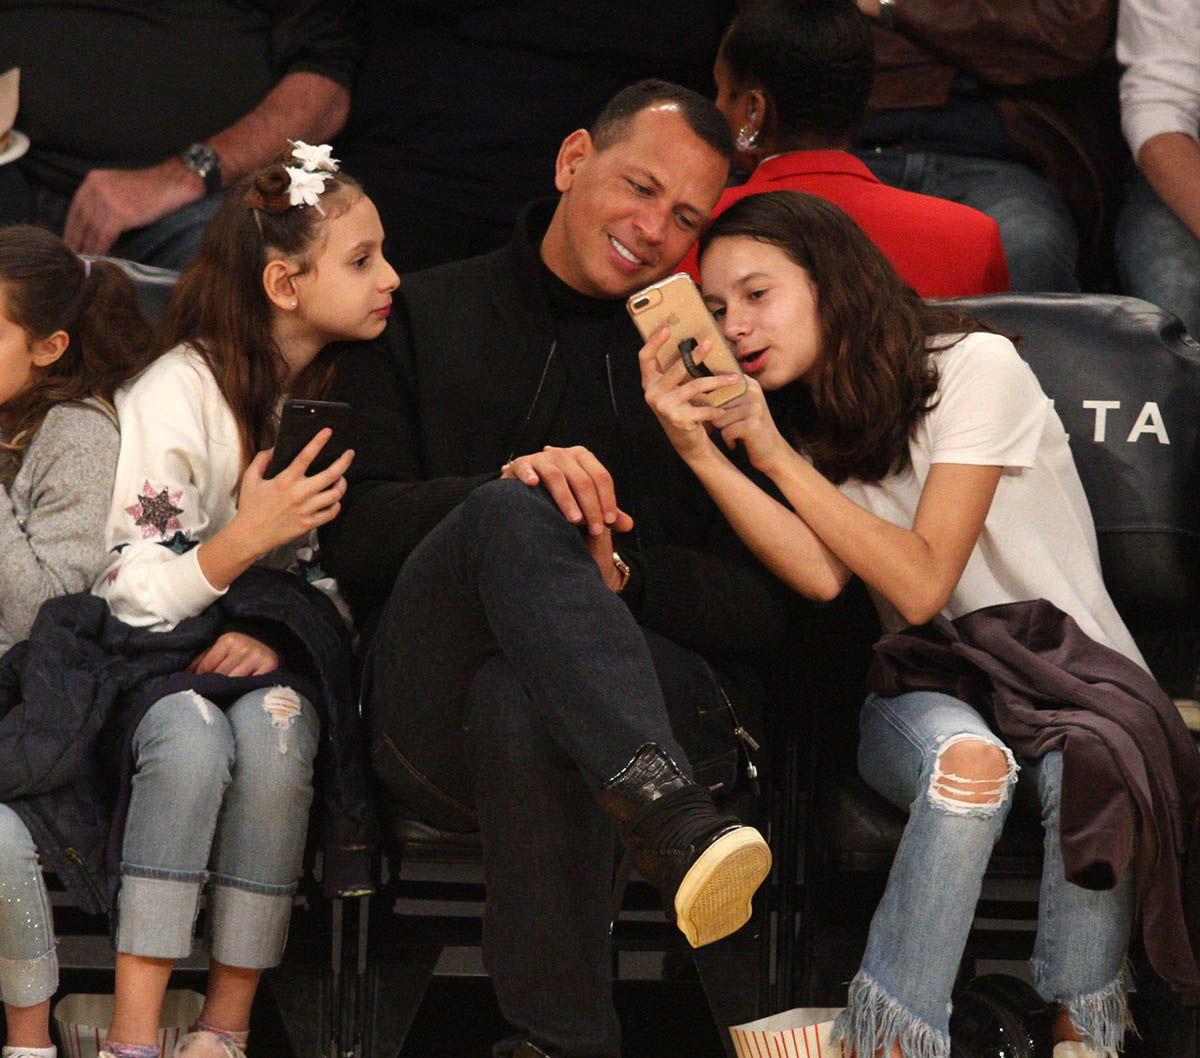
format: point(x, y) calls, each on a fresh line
point(1049, 70)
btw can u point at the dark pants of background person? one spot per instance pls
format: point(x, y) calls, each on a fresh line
point(507, 684)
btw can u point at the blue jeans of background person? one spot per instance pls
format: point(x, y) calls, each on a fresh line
point(223, 798)
point(507, 684)
point(169, 242)
point(1158, 258)
point(28, 961)
point(921, 925)
point(1036, 227)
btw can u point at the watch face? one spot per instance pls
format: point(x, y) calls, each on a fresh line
point(200, 158)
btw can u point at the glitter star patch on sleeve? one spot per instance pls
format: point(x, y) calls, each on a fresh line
point(156, 512)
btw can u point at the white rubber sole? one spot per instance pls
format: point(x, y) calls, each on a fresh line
point(714, 898)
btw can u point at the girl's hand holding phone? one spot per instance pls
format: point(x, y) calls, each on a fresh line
point(672, 395)
point(748, 419)
point(275, 511)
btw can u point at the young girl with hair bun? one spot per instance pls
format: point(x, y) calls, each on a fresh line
point(70, 334)
point(222, 765)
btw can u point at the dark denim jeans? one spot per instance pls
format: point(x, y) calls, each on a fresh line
point(507, 683)
point(1036, 227)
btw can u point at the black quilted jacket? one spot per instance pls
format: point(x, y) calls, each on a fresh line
point(72, 694)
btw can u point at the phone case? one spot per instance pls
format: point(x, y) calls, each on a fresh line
point(299, 423)
point(676, 303)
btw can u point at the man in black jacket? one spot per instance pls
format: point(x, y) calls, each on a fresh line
point(548, 586)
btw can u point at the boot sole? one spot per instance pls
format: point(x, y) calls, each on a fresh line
point(714, 898)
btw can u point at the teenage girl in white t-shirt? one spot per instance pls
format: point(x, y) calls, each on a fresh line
point(937, 470)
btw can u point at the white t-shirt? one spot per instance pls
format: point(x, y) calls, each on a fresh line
point(1038, 540)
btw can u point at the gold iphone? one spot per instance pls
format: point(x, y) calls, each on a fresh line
point(676, 303)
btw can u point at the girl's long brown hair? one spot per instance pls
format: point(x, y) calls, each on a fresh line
point(45, 288)
point(220, 308)
point(876, 378)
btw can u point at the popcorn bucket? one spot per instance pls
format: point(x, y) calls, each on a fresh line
point(83, 1021)
point(799, 1033)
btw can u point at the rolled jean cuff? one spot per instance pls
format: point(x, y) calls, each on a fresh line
point(156, 915)
point(249, 923)
point(27, 982)
point(874, 1019)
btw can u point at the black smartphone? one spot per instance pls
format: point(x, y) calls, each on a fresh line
point(299, 423)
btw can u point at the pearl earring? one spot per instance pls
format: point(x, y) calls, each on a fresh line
point(295, 302)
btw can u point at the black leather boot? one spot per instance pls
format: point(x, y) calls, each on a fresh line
point(706, 864)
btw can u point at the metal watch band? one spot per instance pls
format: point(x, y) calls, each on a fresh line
point(622, 567)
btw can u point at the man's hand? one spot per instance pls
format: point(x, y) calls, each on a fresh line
point(235, 654)
point(112, 201)
point(578, 483)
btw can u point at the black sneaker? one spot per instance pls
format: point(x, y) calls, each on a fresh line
point(706, 864)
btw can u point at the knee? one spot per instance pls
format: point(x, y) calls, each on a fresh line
point(186, 738)
point(972, 776)
point(496, 504)
point(275, 732)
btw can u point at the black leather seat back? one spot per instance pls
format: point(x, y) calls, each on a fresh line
point(1125, 380)
point(153, 285)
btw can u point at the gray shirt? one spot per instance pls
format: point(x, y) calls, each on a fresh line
point(53, 512)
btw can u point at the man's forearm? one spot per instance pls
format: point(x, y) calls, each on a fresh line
point(302, 106)
point(1171, 162)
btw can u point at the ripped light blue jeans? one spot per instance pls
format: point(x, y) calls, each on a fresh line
point(220, 797)
point(902, 990)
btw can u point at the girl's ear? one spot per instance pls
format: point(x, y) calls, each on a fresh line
point(47, 350)
point(279, 283)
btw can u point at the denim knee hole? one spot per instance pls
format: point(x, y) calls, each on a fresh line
point(973, 780)
point(203, 705)
point(282, 705)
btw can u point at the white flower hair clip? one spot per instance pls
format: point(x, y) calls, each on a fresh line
point(313, 157)
point(307, 180)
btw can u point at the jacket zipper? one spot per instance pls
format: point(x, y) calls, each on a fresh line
point(533, 403)
point(77, 859)
point(623, 441)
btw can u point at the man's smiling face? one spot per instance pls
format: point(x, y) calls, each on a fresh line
point(629, 212)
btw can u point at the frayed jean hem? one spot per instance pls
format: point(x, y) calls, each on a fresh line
point(873, 1020)
point(1102, 1017)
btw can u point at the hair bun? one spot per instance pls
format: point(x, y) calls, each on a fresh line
point(270, 190)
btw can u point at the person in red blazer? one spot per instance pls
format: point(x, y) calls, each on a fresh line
point(793, 81)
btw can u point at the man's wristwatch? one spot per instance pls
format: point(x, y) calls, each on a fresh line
point(622, 567)
point(887, 13)
point(202, 160)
